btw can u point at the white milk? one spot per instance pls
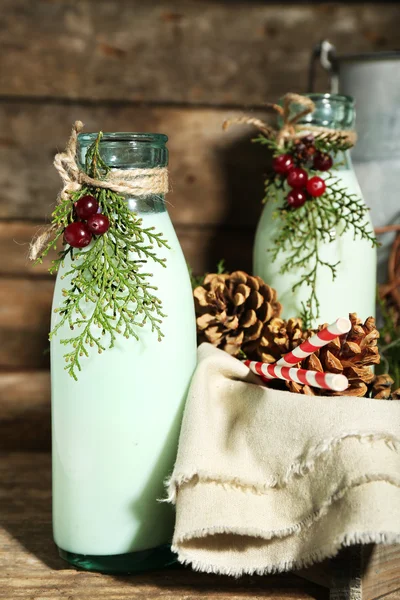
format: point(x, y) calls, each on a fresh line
point(115, 430)
point(353, 290)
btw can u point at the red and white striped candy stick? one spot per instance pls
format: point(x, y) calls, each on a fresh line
point(328, 381)
point(320, 339)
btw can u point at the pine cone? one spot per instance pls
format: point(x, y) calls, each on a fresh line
point(396, 394)
point(277, 338)
point(351, 354)
point(231, 309)
point(382, 387)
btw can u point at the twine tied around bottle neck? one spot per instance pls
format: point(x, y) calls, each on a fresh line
point(291, 128)
point(133, 182)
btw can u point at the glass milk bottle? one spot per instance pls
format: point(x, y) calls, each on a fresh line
point(115, 429)
point(354, 288)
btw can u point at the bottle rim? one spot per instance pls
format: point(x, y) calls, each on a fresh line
point(327, 98)
point(125, 137)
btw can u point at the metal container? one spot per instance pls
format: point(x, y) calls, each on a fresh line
point(374, 82)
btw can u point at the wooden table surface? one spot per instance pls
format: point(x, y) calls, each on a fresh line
point(30, 567)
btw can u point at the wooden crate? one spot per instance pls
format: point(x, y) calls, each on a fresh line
point(359, 573)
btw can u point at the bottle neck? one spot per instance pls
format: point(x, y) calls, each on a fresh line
point(333, 112)
point(147, 205)
point(131, 151)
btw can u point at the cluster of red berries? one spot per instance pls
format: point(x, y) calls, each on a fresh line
point(297, 178)
point(91, 222)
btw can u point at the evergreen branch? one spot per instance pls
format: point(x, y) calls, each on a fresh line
point(304, 229)
point(332, 143)
point(271, 185)
point(107, 293)
point(315, 220)
point(195, 280)
point(270, 143)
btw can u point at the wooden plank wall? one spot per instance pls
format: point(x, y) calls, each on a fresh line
point(177, 66)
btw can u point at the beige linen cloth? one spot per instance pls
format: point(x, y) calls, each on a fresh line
point(270, 481)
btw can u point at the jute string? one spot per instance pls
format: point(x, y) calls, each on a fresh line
point(291, 128)
point(133, 182)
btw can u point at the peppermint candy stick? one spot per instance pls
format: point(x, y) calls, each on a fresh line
point(328, 381)
point(320, 339)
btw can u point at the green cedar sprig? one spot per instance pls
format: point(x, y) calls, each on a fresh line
point(318, 221)
point(107, 291)
point(329, 143)
point(332, 143)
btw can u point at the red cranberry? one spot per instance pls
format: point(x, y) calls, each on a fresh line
point(297, 178)
point(77, 235)
point(296, 198)
point(316, 186)
point(322, 162)
point(282, 164)
point(86, 206)
point(98, 224)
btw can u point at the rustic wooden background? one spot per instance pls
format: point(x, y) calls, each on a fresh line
point(177, 66)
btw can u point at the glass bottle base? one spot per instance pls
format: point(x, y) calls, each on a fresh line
point(123, 564)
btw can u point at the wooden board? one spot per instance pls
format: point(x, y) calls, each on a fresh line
point(216, 177)
point(381, 571)
point(177, 50)
point(15, 237)
point(26, 292)
point(203, 247)
point(25, 411)
point(31, 569)
point(25, 306)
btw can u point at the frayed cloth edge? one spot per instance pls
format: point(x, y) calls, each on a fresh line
point(299, 468)
point(305, 523)
point(383, 538)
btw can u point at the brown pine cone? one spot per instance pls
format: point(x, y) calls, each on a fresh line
point(277, 338)
point(382, 387)
point(351, 354)
point(231, 309)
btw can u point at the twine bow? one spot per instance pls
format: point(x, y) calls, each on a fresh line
point(133, 182)
point(291, 127)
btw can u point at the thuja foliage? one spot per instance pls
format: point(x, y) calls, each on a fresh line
point(107, 292)
point(320, 220)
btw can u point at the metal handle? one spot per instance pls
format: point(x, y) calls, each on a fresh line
point(325, 54)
